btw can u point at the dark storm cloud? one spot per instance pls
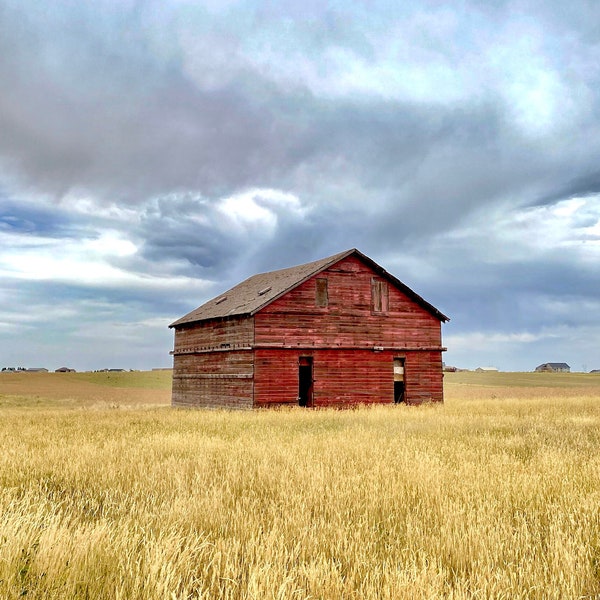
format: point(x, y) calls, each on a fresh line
point(184, 227)
point(90, 106)
point(400, 175)
point(87, 108)
point(540, 294)
point(585, 185)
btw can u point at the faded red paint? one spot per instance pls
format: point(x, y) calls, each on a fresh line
point(253, 361)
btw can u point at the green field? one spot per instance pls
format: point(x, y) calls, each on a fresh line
point(107, 492)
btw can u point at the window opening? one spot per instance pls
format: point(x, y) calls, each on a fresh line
point(399, 380)
point(322, 295)
point(379, 292)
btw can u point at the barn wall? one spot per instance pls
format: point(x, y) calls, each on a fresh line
point(213, 379)
point(343, 377)
point(424, 377)
point(233, 333)
point(348, 320)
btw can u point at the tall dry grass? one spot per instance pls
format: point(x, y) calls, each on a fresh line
point(493, 498)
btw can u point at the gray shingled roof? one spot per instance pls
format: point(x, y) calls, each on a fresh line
point(249, 296)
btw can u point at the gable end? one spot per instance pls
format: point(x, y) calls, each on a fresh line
point(253, 294)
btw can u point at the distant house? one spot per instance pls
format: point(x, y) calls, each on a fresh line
point(553, 368)
point(595, 371)
point(64, 370)
point(486, 369)
point(37, 370)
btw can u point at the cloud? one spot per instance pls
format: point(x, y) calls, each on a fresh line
point(523, 351)
point(87, 262)
point(197, 100)
point(153, 154)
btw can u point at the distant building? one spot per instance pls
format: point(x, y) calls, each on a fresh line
point(64, 370)
point(37, 370)
point(553, 368)
point(595, 371)
point(486, 369)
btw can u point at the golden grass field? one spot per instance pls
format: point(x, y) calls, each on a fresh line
point(107, 492)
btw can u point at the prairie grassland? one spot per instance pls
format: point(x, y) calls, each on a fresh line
point(90, 390)
point(495, 494)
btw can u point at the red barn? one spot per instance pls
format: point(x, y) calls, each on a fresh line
point(335, 332)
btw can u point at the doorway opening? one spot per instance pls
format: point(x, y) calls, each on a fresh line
point(399, 387)
point(305, 381)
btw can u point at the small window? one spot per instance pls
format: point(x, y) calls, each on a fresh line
point(322, 297)
point(379, 292)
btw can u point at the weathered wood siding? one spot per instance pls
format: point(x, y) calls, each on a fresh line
point(423, 377)
point(222, 379)
point(348, 321)
point(343, 377)
point(235, 332)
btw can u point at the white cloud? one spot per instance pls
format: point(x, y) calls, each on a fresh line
point(258, 210)
point(90, 207)
point(406, 57)
point(563, 225)
point(431, 55)
point(85, 261)
point(477, 341)
point(13, 317)
point(534, 92)
point(504, 234)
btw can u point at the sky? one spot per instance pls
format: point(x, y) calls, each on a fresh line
point(155, 153)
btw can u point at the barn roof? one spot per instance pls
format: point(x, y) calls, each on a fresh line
point(256, 292)
point(554, 365)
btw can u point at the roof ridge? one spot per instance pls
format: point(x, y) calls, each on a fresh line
point(306, 264)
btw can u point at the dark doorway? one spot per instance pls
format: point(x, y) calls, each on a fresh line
point(399, 380)
point(305, 381)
